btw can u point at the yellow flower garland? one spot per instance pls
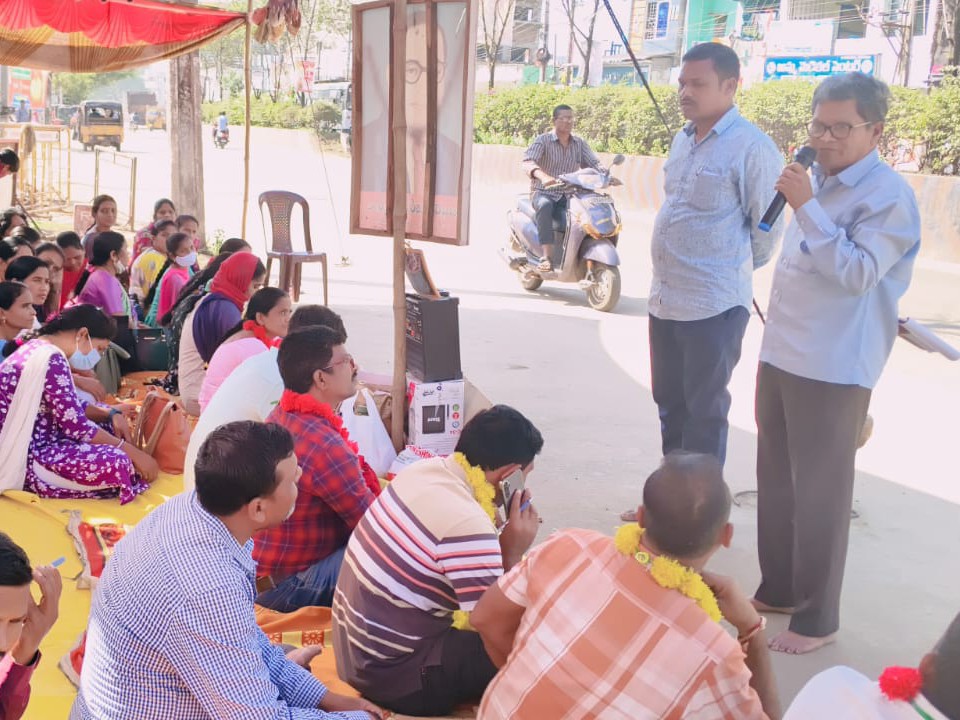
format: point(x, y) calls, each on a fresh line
point(666, 572)
point(484, 494)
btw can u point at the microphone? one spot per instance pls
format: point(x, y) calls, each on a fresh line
point(805, 156)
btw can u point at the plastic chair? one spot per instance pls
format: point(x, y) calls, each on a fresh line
point(280, 204)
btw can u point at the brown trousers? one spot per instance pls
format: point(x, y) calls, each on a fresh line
point(807, 434)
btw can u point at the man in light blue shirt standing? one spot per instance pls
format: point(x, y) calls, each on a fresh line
point(719, 181)
point(847, 259)
point(172, 632)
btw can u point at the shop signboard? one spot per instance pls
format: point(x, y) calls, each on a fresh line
point(819, 66)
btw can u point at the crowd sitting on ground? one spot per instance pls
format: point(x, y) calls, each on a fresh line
point(437, 595)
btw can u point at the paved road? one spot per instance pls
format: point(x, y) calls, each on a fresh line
point(584, 379)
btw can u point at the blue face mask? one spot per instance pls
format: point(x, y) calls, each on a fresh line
point(84, 361)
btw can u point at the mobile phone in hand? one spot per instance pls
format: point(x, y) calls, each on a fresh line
point(510, 485)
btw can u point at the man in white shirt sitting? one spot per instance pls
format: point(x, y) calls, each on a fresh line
point(253, 389)
point(842, 692)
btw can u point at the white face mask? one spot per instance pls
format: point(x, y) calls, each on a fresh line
point(187, 260)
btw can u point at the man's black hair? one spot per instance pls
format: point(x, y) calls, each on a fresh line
point(686, 503)
point(559, 109)
point(499, 436)
point(725, 60)
point(238, 462)
point(307, 315)
point(9, 158)
point(304, 352)
point(15, 568)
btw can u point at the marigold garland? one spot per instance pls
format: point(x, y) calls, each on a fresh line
point(666, 572)
point(484, 494)
point(303, 404)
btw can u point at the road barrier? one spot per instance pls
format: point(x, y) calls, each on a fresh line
point(43, 182)
point(115, 173)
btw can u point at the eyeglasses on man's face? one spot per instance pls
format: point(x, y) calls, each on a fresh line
point(839, 131)
point(342, 361)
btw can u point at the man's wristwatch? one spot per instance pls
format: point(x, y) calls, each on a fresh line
point(112, 414)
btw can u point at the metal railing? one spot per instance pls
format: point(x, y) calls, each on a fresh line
point(115, 173)
point(43, 182)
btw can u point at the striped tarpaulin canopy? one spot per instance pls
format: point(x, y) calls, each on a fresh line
point(105, 35)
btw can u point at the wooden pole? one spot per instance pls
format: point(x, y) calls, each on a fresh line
point(247, 82)
point(398, 85)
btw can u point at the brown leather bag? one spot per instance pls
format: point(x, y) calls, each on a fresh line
point(163, 432)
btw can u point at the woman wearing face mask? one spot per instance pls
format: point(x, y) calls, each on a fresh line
point(264, 324)
point(176, 273)
point(99, 285)
point(214, 316)
point(35, 274)
point(51, 442)
point(17, 313)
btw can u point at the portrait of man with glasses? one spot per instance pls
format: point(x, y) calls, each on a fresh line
point(847, 258)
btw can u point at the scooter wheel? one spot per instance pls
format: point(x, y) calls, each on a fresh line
point(530, 282)
point(604, 294)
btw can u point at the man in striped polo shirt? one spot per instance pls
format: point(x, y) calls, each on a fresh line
point(426, 548)
point(554, 154)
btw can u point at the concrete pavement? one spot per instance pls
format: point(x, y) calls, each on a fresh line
point(583, 378)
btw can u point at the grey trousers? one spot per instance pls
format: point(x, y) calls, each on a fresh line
point(807, 434)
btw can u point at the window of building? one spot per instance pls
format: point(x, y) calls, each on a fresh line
point(921, 9)
point(518, 54)
point(719, 25)
point(657, 20)
point(522, 14)
point(850, 24)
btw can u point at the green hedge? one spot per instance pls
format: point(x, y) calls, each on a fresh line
point(621, 118)
point(266, 113)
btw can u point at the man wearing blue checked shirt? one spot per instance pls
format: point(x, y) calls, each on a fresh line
point(718, 182)
point(847, 260)
point(172, 634)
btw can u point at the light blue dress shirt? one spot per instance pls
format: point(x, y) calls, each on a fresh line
point(172, 634)
point(706, 243)
point(847, 259)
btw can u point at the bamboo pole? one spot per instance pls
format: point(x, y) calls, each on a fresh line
point(247, 81)
point(398, 85)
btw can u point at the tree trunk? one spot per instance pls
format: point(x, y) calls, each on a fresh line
point(492, 67)
point(186, 134)
point(588, 44)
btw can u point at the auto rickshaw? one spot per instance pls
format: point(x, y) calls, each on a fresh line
point(100, 123)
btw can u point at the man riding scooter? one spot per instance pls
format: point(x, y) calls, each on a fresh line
point(221, 125)
point(554, 154)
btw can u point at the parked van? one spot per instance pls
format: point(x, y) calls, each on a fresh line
point(100, 123)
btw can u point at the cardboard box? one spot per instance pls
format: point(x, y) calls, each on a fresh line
point(436, 414)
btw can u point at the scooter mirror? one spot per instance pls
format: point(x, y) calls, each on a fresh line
point(618, 159)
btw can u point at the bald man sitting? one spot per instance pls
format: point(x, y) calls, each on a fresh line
point(581, 629)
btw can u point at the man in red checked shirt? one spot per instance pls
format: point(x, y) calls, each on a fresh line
point(298, 561)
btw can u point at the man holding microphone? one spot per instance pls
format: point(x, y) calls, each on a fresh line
point(847, 259)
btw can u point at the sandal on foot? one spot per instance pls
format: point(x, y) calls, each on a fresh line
point(545, 265)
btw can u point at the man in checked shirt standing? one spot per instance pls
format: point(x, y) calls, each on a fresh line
point(719, 180)
point(554, 154)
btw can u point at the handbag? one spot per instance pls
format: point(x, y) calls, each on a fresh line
point(163, 432)
point(153, 353)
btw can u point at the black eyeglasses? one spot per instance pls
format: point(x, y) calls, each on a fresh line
point(414, 70)
point(840, 131)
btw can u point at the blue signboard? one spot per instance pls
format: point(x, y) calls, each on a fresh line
point(818, 66)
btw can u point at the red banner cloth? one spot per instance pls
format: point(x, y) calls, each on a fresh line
point(103, 35)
